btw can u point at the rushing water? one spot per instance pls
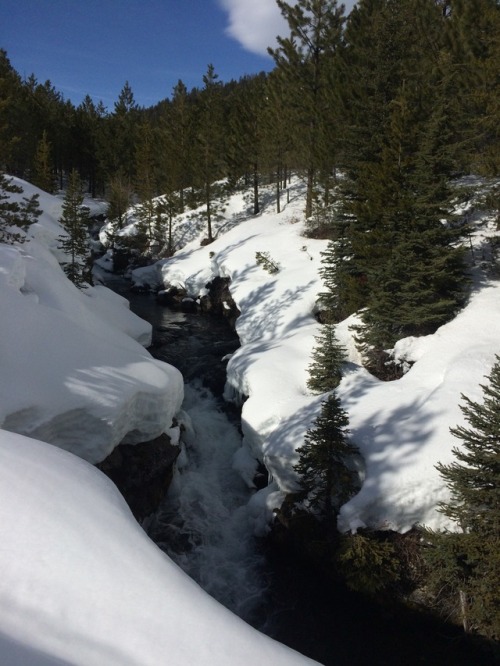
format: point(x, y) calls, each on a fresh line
point(203, 524)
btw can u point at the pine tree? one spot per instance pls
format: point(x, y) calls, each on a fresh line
point(305, 58)
point(43, 176)
point(465, 566)
point(145, 187)
point(176, 140)
point(11, 101)
point(209, 143)
point(277, 125)
point(325, 371)
point(397, 258)
point(168, 205)
point(15, 217)
point(122, 135)
point(119, 195)
point(91, 143)
point(326, 477)
point(75, 221)
point(474, 480)
point(246, 144)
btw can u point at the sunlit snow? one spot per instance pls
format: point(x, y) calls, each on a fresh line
point(74, 369)
point(82, 584)
point(401, 427)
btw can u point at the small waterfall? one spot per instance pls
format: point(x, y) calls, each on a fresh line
point(203, 523)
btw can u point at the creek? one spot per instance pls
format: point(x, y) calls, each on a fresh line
point(203, 524)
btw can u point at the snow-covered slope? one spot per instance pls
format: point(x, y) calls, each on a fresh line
point(82, 584)
point(401, 428)
point(73, 369)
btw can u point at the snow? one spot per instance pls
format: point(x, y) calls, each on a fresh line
point(401, 427)
point(82, 584)
point(74, 369)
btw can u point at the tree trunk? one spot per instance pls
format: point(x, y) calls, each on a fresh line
point(463, 610)
point(309, 193)
point(256, 208)
point(209, 217)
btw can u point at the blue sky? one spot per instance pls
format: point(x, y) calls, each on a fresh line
point(94, 46)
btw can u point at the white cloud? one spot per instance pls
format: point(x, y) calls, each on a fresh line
point(256, 24)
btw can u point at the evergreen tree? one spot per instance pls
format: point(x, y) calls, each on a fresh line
point(465, 567)
point(475, 36)
point(122, 126)
point(147, 217)
point(305, 58)
point(90, 143)
point(146, 189)
point(325, 371)
point(474, 480)
point(15, 217)
point(326, 477)
point(246, 145)
point(209, 125)
point(396, 258)
point(11, 101)
point(169, 205)
point(43, 176)
point(176, 141)
point(45, 109)
point(75, 221)
point(278, 130)
point(119, 195)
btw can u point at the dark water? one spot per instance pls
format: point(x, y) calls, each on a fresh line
point(325, 622)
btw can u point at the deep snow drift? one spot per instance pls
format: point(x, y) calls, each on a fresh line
point(82, 584)
point(401, 427)
point(74, 370)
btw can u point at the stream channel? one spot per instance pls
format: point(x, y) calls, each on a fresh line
point(203, 525)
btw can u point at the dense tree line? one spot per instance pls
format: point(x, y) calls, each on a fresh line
point(378, 111)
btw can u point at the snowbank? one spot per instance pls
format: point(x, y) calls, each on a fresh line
point(401, 428)
point(74, 371)
point(82, 584)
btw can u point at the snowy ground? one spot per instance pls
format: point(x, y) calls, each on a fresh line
point(401, 428)
point(74, 369)
point(81, 582)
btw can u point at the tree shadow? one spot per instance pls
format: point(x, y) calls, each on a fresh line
point(392, 442)
point(266, 312)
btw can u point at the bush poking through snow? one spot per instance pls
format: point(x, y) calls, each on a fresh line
point(264, 259)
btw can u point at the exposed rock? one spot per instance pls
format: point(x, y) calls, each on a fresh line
point(142, 473)
point(219, 301)
point(173, 297)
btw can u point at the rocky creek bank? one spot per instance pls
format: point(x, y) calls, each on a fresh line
point(197, 338)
